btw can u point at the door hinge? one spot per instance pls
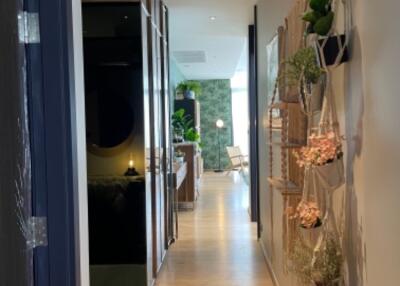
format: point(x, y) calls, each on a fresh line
point(37, 232)
point(28, 28)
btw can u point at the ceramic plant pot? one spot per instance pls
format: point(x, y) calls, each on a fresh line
point(188, 94)
point(311, 97)
point(310, 235)
point(180, 160)
point(331, 49)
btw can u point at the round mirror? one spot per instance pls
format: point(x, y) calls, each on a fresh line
point(110, 116)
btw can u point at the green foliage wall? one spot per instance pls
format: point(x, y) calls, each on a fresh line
point(215, 103)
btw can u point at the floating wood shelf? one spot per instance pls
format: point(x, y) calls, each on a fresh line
point(276, 124)
point(279, 105)
point(287, 145)
point(284, 186)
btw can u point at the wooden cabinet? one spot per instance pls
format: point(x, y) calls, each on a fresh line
point(188, 195)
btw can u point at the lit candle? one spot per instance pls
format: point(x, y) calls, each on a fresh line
point(131, 161)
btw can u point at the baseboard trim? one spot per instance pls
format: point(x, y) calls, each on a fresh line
point(269, 264)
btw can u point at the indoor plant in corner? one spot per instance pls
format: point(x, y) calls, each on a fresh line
point(189, 88)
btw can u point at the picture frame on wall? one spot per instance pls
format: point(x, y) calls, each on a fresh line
point(275, 56)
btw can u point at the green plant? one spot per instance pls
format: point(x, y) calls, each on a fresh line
point(320, 17)
point(180, 121)
point(303, 66)
point(192, 135)
point(179, 154)
point(189, 85)
point(183, 124)
point(327, 267)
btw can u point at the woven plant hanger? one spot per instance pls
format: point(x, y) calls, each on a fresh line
point(314, 187)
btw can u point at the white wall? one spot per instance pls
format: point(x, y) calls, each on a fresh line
point(366, 91)
point(271, 14)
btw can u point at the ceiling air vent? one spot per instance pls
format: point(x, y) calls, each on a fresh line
point(190, 57)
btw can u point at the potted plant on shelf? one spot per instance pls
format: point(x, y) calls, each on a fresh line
point(180, 123)
point(320, 19)
point(179, 156)
point(324, 154)
point(303, 71)
point(190, 89)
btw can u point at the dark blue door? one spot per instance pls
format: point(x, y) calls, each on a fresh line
point(49, 66)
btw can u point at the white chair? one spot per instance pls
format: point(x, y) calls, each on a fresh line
point(238, 160)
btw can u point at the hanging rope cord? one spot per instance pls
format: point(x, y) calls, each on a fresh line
point(329, 121)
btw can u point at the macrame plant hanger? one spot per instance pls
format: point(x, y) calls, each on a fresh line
point(321, 181)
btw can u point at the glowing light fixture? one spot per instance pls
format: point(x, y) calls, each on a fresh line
point(213, 18)
point(131, 167)
point(219, 124)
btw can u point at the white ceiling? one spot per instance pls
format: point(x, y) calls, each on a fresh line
point(223, 40)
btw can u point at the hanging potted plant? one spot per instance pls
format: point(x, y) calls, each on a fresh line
point(309, 216)
point(324, 155)
point(320, 268)
point(320, 19)
point(190, 89)
point(303, 71)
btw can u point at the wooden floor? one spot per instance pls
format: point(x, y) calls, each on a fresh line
point(217, 244)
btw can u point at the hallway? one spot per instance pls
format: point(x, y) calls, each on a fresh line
point(217, 244)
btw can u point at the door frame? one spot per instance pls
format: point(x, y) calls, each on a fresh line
point(253, 114)
point(57, 122)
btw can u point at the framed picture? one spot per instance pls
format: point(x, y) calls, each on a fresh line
point(275, 57)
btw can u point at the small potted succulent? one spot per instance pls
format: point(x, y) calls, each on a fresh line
point(320, 19)
point(190, 89)
point(324, 154)
point(179, 156)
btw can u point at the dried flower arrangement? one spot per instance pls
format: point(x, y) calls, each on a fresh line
point(308, 213)
point(321, 150)
point(327, 267)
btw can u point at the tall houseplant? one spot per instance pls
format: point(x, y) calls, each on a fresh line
point(182, 125)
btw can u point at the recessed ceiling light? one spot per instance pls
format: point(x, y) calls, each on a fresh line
point(213, 18)
point(126, 17)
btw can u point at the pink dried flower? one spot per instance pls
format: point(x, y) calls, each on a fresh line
point(308, 213)
point(321, 150)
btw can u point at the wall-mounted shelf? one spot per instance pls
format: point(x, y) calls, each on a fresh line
point(286, 187)
point(287, 145)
